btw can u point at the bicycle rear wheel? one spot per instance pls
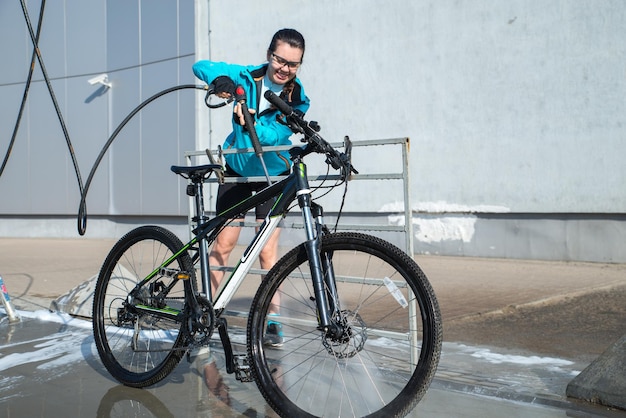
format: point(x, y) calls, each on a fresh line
point(385, 360)
point(138, 335)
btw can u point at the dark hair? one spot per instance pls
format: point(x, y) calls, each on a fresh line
point(289, 36)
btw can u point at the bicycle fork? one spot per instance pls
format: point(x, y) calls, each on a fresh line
point(322, 273)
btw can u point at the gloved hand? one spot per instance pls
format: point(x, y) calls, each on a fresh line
point(224, 87)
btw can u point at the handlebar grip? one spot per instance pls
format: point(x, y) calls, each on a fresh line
point(279, 103)
point(240, 96)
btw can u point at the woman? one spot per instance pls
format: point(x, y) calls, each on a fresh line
point(284, 57)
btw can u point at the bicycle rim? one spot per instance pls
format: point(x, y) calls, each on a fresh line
point(137, 347)
point(381, 367)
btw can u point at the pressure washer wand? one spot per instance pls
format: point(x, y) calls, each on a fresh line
point(240, 97)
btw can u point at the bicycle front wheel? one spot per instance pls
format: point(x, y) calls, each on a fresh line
point(136, 322)
point(385, 359)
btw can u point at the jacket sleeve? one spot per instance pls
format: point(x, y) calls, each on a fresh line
point(208, 71)
point(273, 134)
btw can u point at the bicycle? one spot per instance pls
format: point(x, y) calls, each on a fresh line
point(359, 322)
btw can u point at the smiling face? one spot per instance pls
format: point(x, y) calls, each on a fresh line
point(284, 62)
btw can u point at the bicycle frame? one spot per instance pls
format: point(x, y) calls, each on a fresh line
point(294, 186)
point(206, 232)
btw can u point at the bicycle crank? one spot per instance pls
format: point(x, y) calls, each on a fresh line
point(200, 324)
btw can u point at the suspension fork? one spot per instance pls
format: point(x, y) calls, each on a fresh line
point(326, 259)
point(324, 287)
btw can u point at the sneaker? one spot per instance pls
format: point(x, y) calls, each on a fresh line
point(274, 334)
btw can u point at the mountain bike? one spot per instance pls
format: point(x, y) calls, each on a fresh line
point(358, 322)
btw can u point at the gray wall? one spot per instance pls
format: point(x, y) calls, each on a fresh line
point(143, 49)
point(515, 112)
point(516, 105)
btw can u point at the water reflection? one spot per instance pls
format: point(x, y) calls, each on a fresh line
point(215, 382)
point(122, 401)
point(206, 391)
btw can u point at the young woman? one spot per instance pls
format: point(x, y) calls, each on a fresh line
point(284, 57)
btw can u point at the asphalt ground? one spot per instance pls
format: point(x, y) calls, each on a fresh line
point(514, 330)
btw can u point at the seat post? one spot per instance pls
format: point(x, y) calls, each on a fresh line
point(198, 188)
point(198, 183)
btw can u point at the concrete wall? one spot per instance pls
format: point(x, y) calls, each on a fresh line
point(515, 111)
point(515, 105)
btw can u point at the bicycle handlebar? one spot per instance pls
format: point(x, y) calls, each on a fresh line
point(280, 104)
point(297, 124)
point(338, 160)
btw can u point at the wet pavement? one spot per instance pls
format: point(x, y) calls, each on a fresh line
point(49, 366)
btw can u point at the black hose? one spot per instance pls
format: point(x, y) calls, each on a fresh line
point(52, 95)
point(82, 209)
point(26, 89)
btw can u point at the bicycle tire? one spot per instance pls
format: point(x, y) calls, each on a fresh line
point(140, 349)
point(378, 371)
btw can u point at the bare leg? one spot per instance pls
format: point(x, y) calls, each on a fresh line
point(268, 257)
point(220, 252)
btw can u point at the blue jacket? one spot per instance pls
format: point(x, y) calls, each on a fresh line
point(270, 132)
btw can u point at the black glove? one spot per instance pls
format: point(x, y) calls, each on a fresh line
point(224, 84)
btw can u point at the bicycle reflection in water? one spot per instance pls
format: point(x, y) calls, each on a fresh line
point(209, 367)
point(214, 396)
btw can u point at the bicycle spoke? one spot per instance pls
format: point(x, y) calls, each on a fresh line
point(136, 329)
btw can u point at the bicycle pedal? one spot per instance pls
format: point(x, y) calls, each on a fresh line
point(243, 371)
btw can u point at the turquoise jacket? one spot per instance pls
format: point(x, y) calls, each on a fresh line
point(270, 132)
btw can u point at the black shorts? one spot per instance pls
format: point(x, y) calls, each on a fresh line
point(229, 194)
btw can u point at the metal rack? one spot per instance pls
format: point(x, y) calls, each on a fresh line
point(402, 176)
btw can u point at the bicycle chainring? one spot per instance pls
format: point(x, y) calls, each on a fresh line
point(200, 325)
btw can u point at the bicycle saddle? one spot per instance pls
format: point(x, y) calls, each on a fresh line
point(195, 171)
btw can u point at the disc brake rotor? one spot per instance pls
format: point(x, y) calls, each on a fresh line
point(351, 340)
